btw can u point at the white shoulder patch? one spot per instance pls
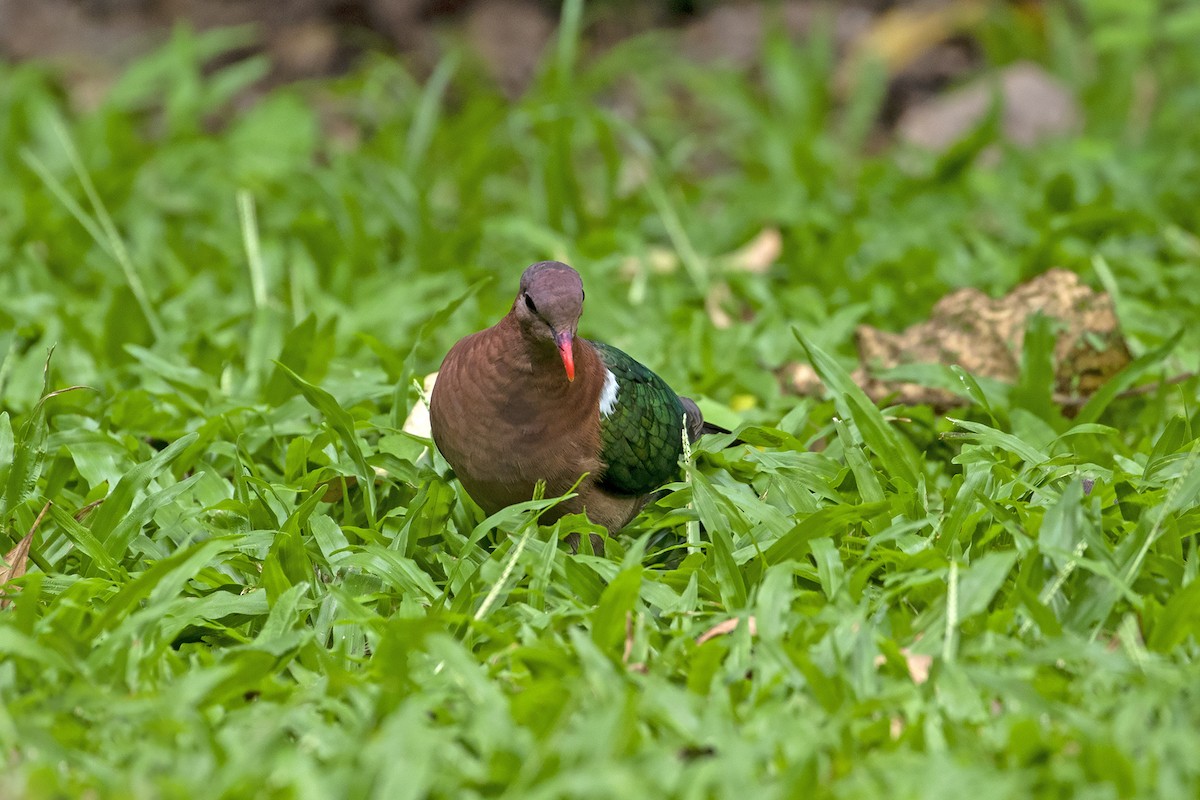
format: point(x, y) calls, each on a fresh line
point(608, 395)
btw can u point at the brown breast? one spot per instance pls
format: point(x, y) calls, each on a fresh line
point(504, 416)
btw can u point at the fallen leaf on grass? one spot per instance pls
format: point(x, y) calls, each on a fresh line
point(656, 260)
point(713, 304)
point(13, 566)
point(335, 488)
point(728, 626)
point(17, 560)
point(900, 36)
point(757, 255)
point(918, 664)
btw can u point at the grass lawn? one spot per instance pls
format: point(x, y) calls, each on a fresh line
point(247, 580)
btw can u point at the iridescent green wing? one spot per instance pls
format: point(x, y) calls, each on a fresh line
point(640, 427)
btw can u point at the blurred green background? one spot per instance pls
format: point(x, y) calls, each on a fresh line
point(244, 245)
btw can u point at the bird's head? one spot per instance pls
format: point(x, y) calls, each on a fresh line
point(548, 307)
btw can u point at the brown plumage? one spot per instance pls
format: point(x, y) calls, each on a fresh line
point(520, 402)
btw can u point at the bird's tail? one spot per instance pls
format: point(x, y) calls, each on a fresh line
point(708, 427)
point(697, 426)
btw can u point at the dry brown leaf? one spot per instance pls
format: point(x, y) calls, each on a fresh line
point(717, 314)
point(903, 34)
point(653, 261)
point(918, 664)
point(728, 626)
point(89, 508)
point(335, 488)
point(802, 378)
point(13, 566)
point(759, 254)
point(16, 561)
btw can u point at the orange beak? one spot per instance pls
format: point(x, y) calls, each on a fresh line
point(564, 341)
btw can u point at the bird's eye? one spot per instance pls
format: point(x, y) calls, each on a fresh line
point(529, 304)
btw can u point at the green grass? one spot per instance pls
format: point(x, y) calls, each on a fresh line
point(247, 298)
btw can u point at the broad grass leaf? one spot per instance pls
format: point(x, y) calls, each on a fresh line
point(704, 664)
point(1178, 619)
point(342, 424)
point(1041, 614)
point(1168, 445)
point(192, 382)
point(286, 565)
point(427, 113)
point(162, 580)
point(330, 539)
point(716, 513)
point(113, 511)
point(865, 477)
point(975, 391)
point(513, 518)
point(1116, 578)
point(91, 547)
point(991, 437)
point(307, 351)
point(829, 565)
point(979, 583)
point(729, 578)
point(616, 601)
point(428, 516)
point(958, 158)
point(28, 458)
point(955, 528)
point(1100, 401)
point(402, 574)
point(1062, 526)
point(1034, 389)
point(1127, 563)
point(894, 452)
point(279, 633)
point(17, 646)
point(139, 516)
point(241, 676)
point(270, 138)
point(7, 451)
point(582, 582)
point(831, 521)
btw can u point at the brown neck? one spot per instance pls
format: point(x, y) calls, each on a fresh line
point(536, 369)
